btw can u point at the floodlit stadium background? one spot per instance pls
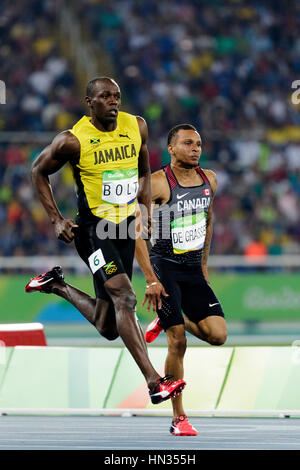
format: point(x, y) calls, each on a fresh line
point(226, 67)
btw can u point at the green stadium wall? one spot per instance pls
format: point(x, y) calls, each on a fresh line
point(218, 378)
point(244, 296)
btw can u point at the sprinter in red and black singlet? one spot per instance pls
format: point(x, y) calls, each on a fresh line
point(176, 267)
point(180, 224)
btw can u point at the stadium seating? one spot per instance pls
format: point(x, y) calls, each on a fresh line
point(226, 68)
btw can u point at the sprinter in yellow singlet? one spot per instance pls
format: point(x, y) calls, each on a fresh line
point(109, 158)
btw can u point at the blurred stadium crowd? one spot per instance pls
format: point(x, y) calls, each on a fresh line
point(225, 67)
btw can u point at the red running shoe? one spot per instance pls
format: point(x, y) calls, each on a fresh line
point(153, 330)
point(181, 427)
point(166, 388)
point(41, 283)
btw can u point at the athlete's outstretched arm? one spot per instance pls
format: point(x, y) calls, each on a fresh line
point(64, 147)
point(209, 223)
point(153, 294)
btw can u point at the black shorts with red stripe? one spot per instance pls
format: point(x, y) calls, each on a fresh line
point(188, 292)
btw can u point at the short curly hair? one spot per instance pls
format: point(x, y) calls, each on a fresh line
point(174, 130)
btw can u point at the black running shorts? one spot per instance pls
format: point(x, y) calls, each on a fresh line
point(188, 291)
point(106, 257)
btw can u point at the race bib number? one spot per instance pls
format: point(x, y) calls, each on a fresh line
point(120, 187)
point(188, 233)
point(96, 260)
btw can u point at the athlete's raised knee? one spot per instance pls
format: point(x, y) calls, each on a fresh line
point(126, 300)
point(123, 299)
point(109, 334)
point(217, 339)
point(122, 295)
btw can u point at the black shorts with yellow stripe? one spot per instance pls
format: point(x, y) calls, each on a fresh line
point(106, 256)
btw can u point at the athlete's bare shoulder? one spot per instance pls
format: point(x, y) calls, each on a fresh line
point(65, 146)
point(159, 187)
point(141, 120)
point(143, 128)
point(159, 176)
point(212, 178)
